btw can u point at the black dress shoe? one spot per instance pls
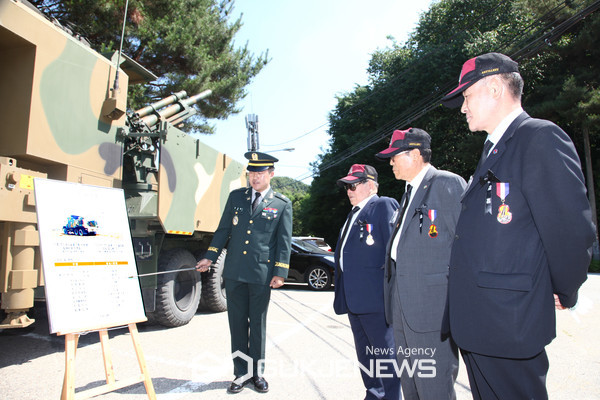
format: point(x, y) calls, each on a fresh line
point(237, 385)
point(260, 384)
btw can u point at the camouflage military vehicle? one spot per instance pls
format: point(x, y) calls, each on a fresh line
point(63, 119)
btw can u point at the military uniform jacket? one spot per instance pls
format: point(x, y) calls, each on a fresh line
point(507, 263)
point(258, 244)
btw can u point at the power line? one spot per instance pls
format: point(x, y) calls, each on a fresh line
point(432, 100)
point(393, 80)
point(387, 84)
point(299, 137)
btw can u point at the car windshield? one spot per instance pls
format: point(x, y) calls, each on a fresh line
point(305, 246)
point(309, 247)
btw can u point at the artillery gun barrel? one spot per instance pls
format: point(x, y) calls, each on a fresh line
point(142, 112)
point(152, 119)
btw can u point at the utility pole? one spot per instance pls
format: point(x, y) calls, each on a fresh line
point(252, 126)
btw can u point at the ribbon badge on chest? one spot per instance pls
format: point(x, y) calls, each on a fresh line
point(370, 241)
point(432, 228)
point(504, 214)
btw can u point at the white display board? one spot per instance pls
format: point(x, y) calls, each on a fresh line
point(87, 256)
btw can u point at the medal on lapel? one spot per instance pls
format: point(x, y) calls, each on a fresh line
point(504, 214)
point(432, 228)
point(235, 219)
point(370, 241)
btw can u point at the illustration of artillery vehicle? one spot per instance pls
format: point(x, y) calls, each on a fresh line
point(77, 225)
point(66, 121)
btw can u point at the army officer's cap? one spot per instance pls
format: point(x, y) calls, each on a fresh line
point(259, 161)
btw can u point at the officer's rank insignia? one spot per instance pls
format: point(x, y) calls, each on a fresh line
point(504, 214)
point(432, 228)
point(370, 241)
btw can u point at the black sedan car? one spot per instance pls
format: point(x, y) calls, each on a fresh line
point(312, 265)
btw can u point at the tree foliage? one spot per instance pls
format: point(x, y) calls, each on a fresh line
point(189, 44)
point(297, 192)
point(558, 60)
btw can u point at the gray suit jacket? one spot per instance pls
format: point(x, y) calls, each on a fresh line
point(421, 272)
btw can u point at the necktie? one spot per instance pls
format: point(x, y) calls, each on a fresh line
point(346, 228)
point(405, 201)
point(404, 204)
point(255, 202)
point(486, 149)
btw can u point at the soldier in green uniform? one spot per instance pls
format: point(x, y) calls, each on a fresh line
point(256, 227)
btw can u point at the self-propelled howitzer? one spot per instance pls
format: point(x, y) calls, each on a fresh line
point(64, 122)
point(175, 186)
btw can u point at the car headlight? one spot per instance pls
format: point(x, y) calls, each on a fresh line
point(329, 258)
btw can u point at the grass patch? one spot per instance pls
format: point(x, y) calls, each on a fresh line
point(594, 266)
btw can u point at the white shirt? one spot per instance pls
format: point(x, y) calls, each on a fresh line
point(502, 127)
point(362, 205)
point(415, 183)
point(262, 196)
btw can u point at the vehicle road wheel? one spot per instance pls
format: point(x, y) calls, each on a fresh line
point(177, 293)
point(318, 278)
point(80, 232)
point(213, 288)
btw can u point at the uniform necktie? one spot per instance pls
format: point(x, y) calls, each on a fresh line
point(346, 227)
point(255, 202)
point(405, 201)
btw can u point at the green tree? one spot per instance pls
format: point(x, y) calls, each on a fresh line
point(297, 192)
point(187, 43)
point(406, 83)
point(408, 80)
point(568, 92)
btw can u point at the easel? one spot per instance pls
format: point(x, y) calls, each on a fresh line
point(68, 389)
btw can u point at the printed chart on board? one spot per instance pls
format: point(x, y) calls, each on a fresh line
point(87, 257)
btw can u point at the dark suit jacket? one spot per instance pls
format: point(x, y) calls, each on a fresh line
point(503, 275)
point(421, 272)
point(259, 243)
point(359, 288)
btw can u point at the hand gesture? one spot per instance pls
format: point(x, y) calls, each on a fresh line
point(203, 265)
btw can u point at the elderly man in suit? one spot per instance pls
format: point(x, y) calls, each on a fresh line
point(359, 257)
point(416, 280)
point(523, 239)
point(256, 226)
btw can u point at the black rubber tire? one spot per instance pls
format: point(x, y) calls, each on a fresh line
point(178, 293)
point(213, 289)
point(318, 278)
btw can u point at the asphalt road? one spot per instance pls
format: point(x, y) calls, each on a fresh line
point(310, 355)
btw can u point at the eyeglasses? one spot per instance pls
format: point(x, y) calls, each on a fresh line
point(352, 186)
